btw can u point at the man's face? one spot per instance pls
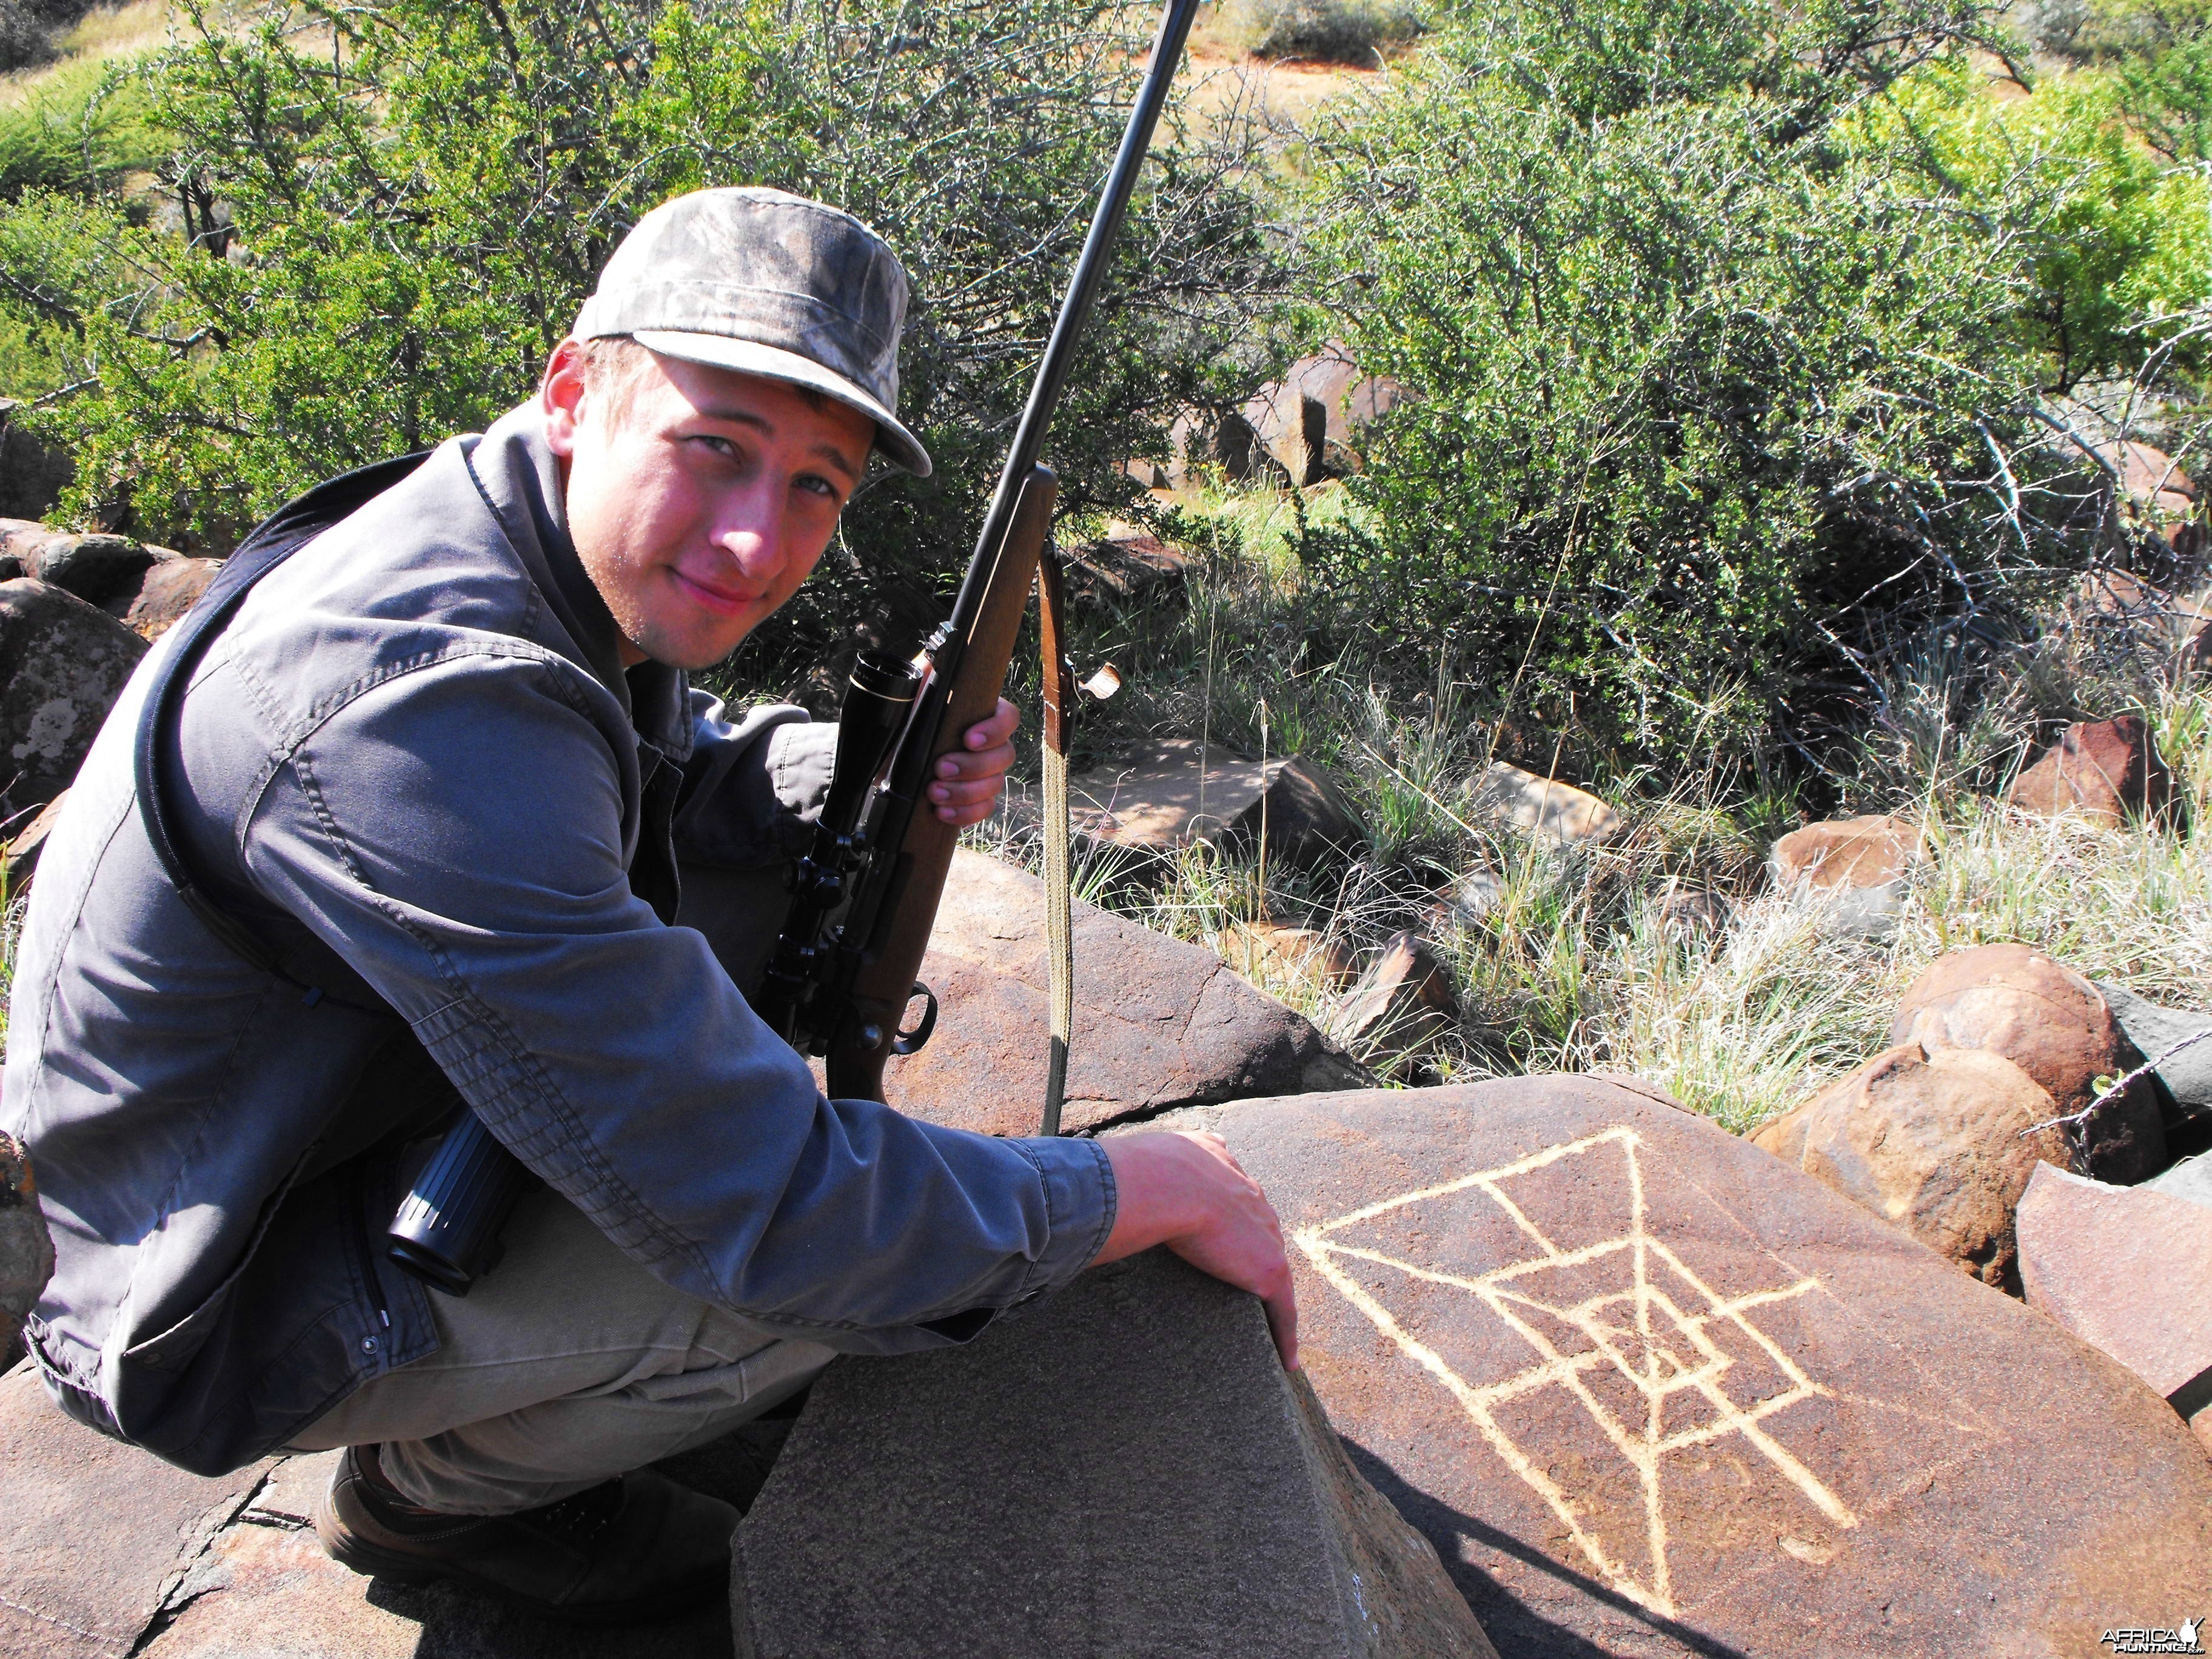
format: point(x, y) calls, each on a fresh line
point(701, 502)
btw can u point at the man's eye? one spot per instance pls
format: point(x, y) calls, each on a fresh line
point(720, 446)
point(817, 485)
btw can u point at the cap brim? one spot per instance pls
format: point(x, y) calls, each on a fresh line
point(900, 446)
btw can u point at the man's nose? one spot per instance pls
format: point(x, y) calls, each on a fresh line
point(752, 531)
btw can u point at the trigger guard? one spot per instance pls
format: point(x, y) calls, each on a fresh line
point(907, 1042)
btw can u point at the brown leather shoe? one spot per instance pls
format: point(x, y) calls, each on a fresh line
point(623, 1552)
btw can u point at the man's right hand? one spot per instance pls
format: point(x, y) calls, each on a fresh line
point(1183, 1189)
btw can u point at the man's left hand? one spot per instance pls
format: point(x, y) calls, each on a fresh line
point(968, 783)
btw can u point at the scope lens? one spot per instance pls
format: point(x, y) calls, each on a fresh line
point(881, 674)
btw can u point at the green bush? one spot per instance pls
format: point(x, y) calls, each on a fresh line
point(1715, 381)
point(373, 241)
point(1328, 31)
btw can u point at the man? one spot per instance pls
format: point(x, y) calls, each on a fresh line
point(436, 777)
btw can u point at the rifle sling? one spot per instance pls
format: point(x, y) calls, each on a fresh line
point(1059, 720)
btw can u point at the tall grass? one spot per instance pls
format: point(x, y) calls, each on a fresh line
point(1604, 958)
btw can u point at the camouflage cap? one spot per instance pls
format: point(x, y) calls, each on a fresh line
point(767, 283)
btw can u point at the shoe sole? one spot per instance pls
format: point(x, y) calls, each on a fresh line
point(351, 1550)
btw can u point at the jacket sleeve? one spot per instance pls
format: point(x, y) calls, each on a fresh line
point(457, 834)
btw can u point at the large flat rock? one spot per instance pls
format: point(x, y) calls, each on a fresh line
point(2128, 1270)
point(106, 1550)
point(1178, 791)
point(1158, 1024)
point(1124, 1471)
point(1651, 1392)
point(95, 1536)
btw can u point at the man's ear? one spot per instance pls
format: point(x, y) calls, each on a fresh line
point(561, 396)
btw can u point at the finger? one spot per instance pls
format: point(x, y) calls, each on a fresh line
point(988, 733)
point(1218, 1148)
point(964, 816)
point(989, 764)
point(965, 792)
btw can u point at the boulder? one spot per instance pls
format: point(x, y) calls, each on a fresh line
point(21, 538)
point(1179, 791)
point(1309, 421)
point(1203, 444)
point(1127, 567)
point(1267, 954)
point(93, 1534)
point(1127, 1469)
point(1854, 872)
point(2150, 481)
point(1940, 1143)
point(1543, 807)
point(1783, 1134)
point(1651, 1393)
point(2130, 1272)
point(97, 569)
point(27, 1249)
point(2052, 1024)
point(171, 587)
point(2108, 771)
point(62, 664)
point(105, 1552)
point(20, 853)
point(1403, 1003)
point(1158, 1024)
point(2176, 1042)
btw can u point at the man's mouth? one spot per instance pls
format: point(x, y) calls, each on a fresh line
point(724, 601)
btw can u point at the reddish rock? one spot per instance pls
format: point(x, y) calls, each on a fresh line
point(2106, 770)
point(1940, 1144)
point(105, 1551)
point(62, 664)
point(1854, 870)
point(93, 1534)
point(1126, 566)
point(21, 853)
point(1403, 1005)
point(171, 587)
point(1784, 1136)
point(1309, 421)
point(1264, 953)
point(1651, 1393)
point(21, 538)
point(1544, 807)
point(2151, 481)
point(1159, 1023)
point(2052, 1024)
point(1127, 1469)
point(2128, 1271)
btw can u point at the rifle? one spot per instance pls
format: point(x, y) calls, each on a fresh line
point(865, 897)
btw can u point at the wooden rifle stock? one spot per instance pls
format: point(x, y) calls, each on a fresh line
point(891, 959)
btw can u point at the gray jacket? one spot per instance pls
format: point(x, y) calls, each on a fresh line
point(413, 764)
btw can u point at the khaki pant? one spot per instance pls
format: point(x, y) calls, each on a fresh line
point(567, 1364)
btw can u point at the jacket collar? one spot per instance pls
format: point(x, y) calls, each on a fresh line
point(520, 478)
